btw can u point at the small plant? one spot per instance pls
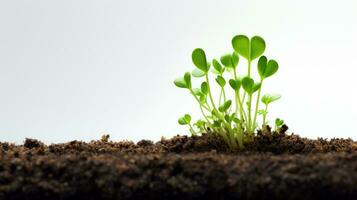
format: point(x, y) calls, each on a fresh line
point(234, 117)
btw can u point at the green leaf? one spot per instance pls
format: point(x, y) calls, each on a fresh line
point(235, 84)
point(236, 120)
point(269, 98)
point(229, 118)
point(198, 73)
point(267, 68)
point(257, 47)
point(226, 60)
point(204, 88)
point(256, 86)
point(197, 92)
point(248, 85)
point(187, 78)
point(182, 121)
point(225, 106)
point(181, 83)
point(262, 112)
point(272, 68)
point(217, 66)
point(262, 66)
point(199, 59)
point(187, 118)
point(217, 123)
point(230, 60)
point(241, 45)
point(235, 59)
point(279, 122)
point(203, 99)
point(200, 124)
point(221, 81)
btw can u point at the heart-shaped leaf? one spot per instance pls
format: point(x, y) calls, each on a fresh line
point(221, 81)
point(235, 84)
point(198, 73)
point(181, 83)
point(225, 106)
point(186, 119)
point(279, 122)
point(267, 68)
point(257, 47)
point(199, 59)
point(241, 45)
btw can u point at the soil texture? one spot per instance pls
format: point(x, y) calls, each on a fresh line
point(274, 165)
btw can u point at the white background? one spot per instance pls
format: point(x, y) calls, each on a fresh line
point(75, 69)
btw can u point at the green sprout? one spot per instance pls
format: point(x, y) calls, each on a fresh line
point(234, 117)
point(278, 124)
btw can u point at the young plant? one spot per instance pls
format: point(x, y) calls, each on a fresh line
point(232, 117)
point(278, 124)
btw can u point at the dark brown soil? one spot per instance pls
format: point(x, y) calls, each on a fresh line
point(272, 166)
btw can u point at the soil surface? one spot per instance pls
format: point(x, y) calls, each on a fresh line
point(272, 166)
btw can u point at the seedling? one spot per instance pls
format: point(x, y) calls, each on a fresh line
point(278, 124)
point(232, 117)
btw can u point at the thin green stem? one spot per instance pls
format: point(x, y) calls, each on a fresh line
point(204, 115)
point(265, 114)
point(250, 114)
point(224, 94)
point(191, 129)
point(257, 103)
point(193, 94)
point(210, 93)
point(220, 97)
point(249, 66)
point(242, 113)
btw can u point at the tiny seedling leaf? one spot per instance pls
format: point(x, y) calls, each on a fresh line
point(279, 122)
point(187, 78)
point(217, 67)
point(269, 98)
point(225, 106)
point(199, 59)
point(221, 81)
point(204, 88)
point(267, 68)
point(241, 45)
point(235, 84)
point(187, 118)
point(181, 83)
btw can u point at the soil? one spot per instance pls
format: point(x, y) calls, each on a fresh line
point(274, 165)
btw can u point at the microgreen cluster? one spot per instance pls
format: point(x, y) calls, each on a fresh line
point(233, 117)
